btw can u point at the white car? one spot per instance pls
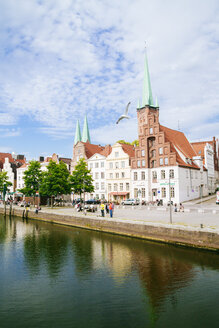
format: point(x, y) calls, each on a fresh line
point(131, 201)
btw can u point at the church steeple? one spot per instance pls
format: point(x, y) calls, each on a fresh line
point(147, 98)
point(77, 133)
point(86, 134)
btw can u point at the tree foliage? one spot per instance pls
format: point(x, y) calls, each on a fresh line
point(4, 181)
point(133, 143)
point(32, 179)
point(81, 179)
point(55, 180)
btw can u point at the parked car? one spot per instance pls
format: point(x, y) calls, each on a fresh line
point(217, 197)
point(131, 201)
point(92, 201)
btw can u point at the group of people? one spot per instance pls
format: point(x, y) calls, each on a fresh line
point(108, 207)
point(181, 208)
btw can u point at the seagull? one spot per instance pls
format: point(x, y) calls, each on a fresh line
point(125, 114)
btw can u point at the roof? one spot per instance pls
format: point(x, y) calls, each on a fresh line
point(178, 140)
point(65, 160)
point(128, 149)
point(106, 151)
point(91, 149)
point(199, 148)
point(15, 161)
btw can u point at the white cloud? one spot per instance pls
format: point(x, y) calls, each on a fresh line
point(62, 59)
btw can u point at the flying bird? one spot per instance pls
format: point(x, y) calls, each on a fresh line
point(125, 114)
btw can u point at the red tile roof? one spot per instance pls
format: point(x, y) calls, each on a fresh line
point(91, 149)
point(178, 139)
point(106, 151)
point(128, 149)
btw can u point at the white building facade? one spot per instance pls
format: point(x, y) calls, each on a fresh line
point(97, 165)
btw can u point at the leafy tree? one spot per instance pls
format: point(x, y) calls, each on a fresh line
point(32, 179)
point(81, 179)
point(135, 142)
point(4, 182)
point(55, 181)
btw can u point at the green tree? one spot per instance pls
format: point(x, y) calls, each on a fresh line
point(81, 179)
point(32, 180)
point(135, 142)
point(55, 181)
point(4, 183)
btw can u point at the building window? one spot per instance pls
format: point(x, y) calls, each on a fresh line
point(115, 187)
point(121, 187)
point(172, 192)
point(96, 175)
point(166, 160)
point(154, 176)
point(117, 175)
point(162, 174)
point(163, 192)
point(109, 187)
point(111, 165)
point(142, 175)
point(135, 176)
point(127, 186)
point(97, 186)
point(135, 192)
point(151, 130)
point(123, 164)
point(123, 174)
point(102, 185)
point(143, 153)
point(111, 175)
point(171, 174)
point(153, 153)
point(143, 192)
point(117, 165)
point(153, 163)
point(138, 163)
point(102, 164)
point(96, 164)
point(143, 163)
point(116, 154)
point(161, 161)
point(102, 175)
point(91, 165)
point(161, 150)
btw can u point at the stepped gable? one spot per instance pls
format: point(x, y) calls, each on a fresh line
point(128, 149)
point(106, 151)
point(16, 162)
point(178, 139)
point(91, 149)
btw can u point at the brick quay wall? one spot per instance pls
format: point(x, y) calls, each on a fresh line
point(165, 233)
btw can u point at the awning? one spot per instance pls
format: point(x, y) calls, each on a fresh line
point(119, 193)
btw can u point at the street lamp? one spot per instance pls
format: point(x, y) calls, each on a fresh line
point(170, 201)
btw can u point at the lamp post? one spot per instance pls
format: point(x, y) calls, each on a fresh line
point(170, 202)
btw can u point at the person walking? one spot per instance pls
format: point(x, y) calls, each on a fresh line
point(175, 209)
point(102, 208)
point(107, 208)
point(111, 210)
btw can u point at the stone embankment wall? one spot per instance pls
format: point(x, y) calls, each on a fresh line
point(190, 237)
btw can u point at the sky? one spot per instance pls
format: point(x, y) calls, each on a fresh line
point(63, 59)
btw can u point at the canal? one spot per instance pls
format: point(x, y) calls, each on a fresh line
point(56, 276)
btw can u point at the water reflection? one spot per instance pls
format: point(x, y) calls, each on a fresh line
point(160, 270)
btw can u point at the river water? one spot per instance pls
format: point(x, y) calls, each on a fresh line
point(55, 276)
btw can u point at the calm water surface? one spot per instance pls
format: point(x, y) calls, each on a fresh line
point(53, 276)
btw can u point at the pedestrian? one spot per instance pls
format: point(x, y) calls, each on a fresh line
point(175, 209)
point(111, 209)
point(107, 208)
point(102, 208)
point(181, 207)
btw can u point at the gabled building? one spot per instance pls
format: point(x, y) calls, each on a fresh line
point(209, 152)
point(118, 172)
point(165, 165)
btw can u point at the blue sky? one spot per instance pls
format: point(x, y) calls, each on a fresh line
point(62, 59)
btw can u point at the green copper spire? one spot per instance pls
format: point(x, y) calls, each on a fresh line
point(147, 98)
point(77, 133)
point(86, 134)
point(156, 103)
